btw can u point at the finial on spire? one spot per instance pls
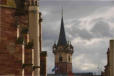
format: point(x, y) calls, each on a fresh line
point(62, 12)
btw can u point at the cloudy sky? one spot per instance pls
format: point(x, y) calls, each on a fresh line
point(89, 25)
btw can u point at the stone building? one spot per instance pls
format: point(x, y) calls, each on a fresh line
point(63, 51)
point(109, 68)
point(20, 39)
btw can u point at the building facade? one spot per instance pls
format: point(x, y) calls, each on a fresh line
point(63, 51)
point(20, 38)
point(109, 68)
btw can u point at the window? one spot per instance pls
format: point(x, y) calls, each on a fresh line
point(60, 58)
point(69, 58)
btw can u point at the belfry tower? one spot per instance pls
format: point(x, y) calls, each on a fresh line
point(63, 51)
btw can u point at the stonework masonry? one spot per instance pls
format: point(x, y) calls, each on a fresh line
point(20, 35)
point(8, 58)
point(34, 34)
point(109, 68)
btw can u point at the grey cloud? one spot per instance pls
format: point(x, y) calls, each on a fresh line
point(111, 20)
point(72, 9)
point(75, 31)
point(77, 2)
point(101, 29)
point(95, 54)
point(50, 35)
point(84, 34)
point(97, 20)
point(75, 10)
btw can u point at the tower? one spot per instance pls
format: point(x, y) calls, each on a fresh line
point(20, 36)
point(34, 31)
point(63, 51)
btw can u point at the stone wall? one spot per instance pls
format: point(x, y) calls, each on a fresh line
point(43, 62)
point(18, 54)
point(8, 34)
point(109, 68)
point(13, 54)
point(63, 68)
point(111, 57)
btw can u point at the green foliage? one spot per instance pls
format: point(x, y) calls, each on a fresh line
point(29, 45)
point(24, 30)
point(43, 53)
point(20, 40)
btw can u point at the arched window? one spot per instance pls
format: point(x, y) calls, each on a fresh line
point(60, 58)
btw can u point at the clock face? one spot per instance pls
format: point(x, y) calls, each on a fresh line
point(3, 1)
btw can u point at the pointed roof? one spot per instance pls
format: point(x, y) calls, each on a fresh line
point(62, 37)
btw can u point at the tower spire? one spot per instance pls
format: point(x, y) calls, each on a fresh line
point(63, 52)
point(62, 37)
point(62, 13)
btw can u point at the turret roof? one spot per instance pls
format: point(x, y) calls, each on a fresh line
point(62, 37)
